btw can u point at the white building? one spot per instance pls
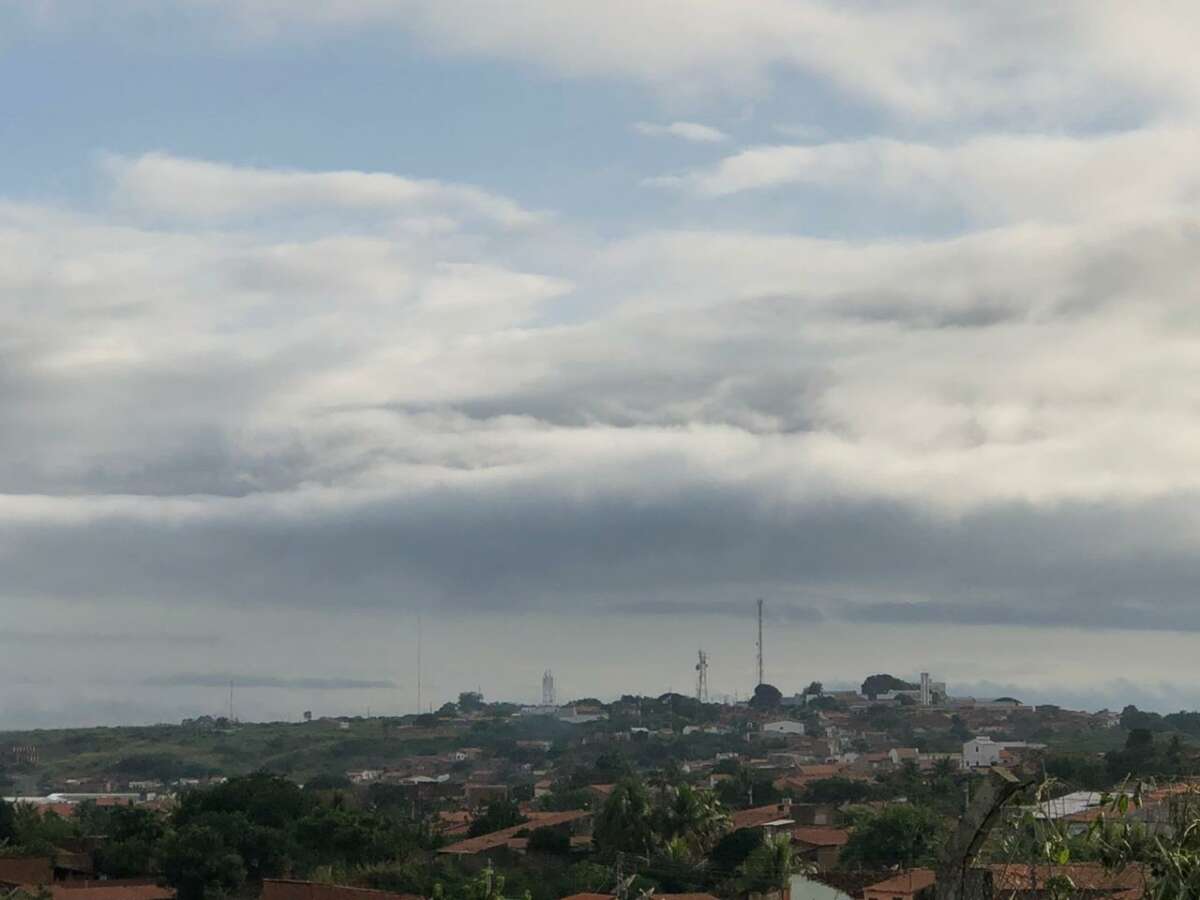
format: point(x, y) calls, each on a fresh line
point(983, 752)
point(784, 727)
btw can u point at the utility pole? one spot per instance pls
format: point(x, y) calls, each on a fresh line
point(761, 678)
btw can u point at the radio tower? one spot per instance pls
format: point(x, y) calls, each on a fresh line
point(702, 678)
point(548, 688)
point(760, 642)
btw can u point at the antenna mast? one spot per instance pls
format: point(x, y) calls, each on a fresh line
point(761, 679)
point(702, 678)
point(419, 709)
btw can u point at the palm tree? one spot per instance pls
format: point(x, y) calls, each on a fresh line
point(626, 822)
point(770, 866)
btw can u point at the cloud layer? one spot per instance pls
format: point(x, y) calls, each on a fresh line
point(936, 369)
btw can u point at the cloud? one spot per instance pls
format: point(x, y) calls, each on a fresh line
point(1072, 62)
point(995, 178)
point(688, 131)
point(184, 679)
point(383, 420)
point(175, 188)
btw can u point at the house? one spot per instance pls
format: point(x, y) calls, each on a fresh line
point(898, 756)
point(114, 889)
point(983, 752)
point(16, 871)
point(774, 815)
point(601, 791)
point(512, 840)
point(805, 888)
point(483, 794)
point(820, 846)
point(914, 884)
point(783, 726)
point(1090, 880)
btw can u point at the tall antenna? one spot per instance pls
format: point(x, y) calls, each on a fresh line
point(702, 678)
point(761, 679)
point(419, 709)
point(231, 719)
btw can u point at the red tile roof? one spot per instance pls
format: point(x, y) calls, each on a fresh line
point(496, 839)
point(24, 870)
point(905, 883)
point(818, 836)
point(759, 816)
point(132, 889)
point(1085, 877)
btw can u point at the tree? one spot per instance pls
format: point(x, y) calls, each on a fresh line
point(692, 816)
point(328, 781)
point(553, 841)
point(498, 815)
point(770, 866)
point(733, 849)
point(899, 835)
point(837, 790)
point(874, 685)
point(766, 696)
point(1133, 718)
point(132, 845)
point(199, 865)
point(470, 701)
point(814, 689)
point(8, 824)
point(958, 729)
point(625, 823)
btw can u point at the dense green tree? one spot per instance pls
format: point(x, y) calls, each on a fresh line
point(770, 866)
point(328, 781)
point(551, 841)
point(625, 822)
point(732, 850)
point(695, 817)
point(131, 847)
point(8, 824)
point(874, 685)
point(470, 701)
point(199, 865)
point(497, 815)
point(899, 835)
point(837, 790)
point(1133, 718)
point(766, 696)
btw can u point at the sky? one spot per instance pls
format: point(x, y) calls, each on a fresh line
point(559, 332)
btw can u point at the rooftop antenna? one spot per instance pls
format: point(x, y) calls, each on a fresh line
point(761, 679)
point(702, 678)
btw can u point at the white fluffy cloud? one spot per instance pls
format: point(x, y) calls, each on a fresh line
point(196, 190)
point(991, 178)
point(355, 390)
point(1067, 60)
point(688, 131)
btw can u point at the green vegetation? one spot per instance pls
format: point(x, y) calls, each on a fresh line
point(899, 835)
